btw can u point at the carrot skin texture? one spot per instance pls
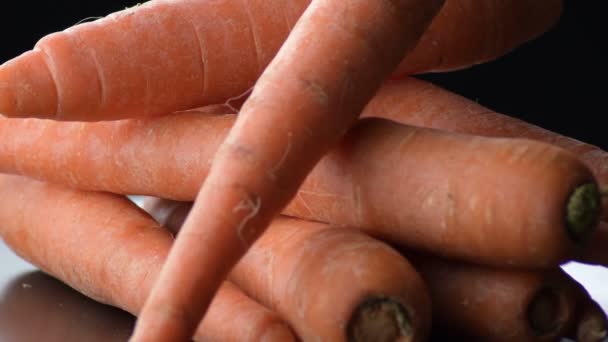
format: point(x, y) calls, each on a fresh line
point(107, 248)
point(84, 72)
point(415, 102)
point(497, 304)
point(366, 181)
point(287, 265)
point(309, 95)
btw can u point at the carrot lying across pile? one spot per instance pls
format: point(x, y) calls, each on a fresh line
point(329, 283)
point(110, 250)
point(444, 192)
point(416, 102)
point(75, 74)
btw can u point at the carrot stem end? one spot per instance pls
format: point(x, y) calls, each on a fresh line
point(380, 319)
point(583, 211)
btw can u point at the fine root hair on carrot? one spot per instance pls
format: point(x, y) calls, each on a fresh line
point(583, 211)
point(380, 319)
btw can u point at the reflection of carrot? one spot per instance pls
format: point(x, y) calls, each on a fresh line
point(86, 71)
point(108, 249)
point(461, 183)
point(493, 304)
point(419, 103)
point(369, 292)
point(36, 307)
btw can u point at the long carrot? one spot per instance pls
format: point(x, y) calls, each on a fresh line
point(331, 284)
point(164, 56)
point(307, 97)
point(416, 102)
point(110, 250)
point(494, 304)
point(419, 187)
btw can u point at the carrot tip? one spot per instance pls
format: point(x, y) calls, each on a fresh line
point(380, 319)
point(583, 211)
point(546, 312)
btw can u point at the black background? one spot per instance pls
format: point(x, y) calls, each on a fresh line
point(555, 81)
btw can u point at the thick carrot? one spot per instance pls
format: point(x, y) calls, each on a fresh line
point(419, 187)
point(416, 102)
point(331, 284)
point(110, 250)
point(304, 101)
point(494, 304)
point(173, 55)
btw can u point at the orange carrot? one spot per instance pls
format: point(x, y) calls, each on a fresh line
point(493, 304)
point(416, 102)
point(307, 97)
point(399, 183)
point(469, 32)
point(331, 284)
point(110, 250)
point(173, 55)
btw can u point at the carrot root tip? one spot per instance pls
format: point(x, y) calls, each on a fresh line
point(380, 319)
point(546, 312)
point(583, 211)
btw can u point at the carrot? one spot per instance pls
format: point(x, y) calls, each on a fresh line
point(494, 304)
point(596, 252)
point(174, 55)
point(331, 284)
point(110, 250)
point(592, 324)
point(469, 32)
point(472, 189)
point(416, 102)
point(308, 96)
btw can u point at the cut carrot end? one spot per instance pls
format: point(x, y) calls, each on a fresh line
point(546, 312)
point(380, 319)
point(583, 211)
point(593, 325)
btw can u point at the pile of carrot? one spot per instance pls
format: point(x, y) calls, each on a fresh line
point(301, 185)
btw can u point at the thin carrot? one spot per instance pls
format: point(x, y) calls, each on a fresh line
point(165, 56)
point(110, 250)
point(304, 101)
point(494, 304)
point(413, 186)
point(330, 284)
point(416, 102)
